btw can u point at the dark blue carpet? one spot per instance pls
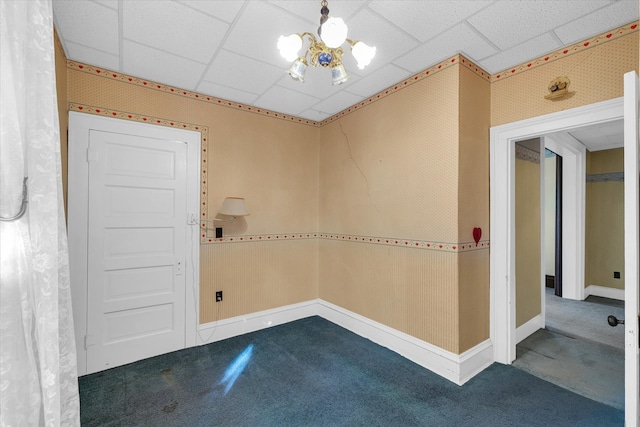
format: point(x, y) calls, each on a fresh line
point(312, 372)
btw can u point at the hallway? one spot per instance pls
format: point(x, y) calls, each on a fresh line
point(578, 350)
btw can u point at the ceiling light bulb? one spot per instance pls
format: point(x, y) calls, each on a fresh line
point(289, 46)
point(363, 54)
point(334, 32)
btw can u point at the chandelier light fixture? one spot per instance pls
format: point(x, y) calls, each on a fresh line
point(325, 51)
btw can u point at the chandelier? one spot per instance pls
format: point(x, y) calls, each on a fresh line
point(325, 51)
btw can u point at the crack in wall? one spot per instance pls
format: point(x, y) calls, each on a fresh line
point(366, 181)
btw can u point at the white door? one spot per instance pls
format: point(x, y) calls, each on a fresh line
point(136, 248)
point(631, 230)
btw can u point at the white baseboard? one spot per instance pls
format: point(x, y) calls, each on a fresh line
point(605, 292)
point(529, 328)
point(240, 325)
point(457, 368)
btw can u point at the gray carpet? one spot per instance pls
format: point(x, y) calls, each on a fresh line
point(578, 351)
point(312, 372)
point(585, 319)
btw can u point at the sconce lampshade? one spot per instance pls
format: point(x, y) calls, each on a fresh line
point(234, 206)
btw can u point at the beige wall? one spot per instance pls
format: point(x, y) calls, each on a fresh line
point(528, 240)
point(595, 74)
point(374, 210)
point(272, 163)
point(412, 166)
point(604, 216)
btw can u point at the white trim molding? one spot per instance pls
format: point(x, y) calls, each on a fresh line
point(529, 328)
point(240, 325)
point(605, 292)
point(502, 209)
point(457, 368)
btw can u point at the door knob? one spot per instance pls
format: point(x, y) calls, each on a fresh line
point(614, 321)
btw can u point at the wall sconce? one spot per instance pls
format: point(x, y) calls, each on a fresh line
point(232, 207)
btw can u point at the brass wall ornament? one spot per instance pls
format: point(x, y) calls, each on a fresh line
point(559, 89)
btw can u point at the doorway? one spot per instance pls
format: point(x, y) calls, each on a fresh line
point(133, 239)
point(553, 128)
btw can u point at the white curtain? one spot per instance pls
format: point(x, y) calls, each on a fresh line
point(38, 376)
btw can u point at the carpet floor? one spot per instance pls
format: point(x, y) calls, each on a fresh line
point(312, 372)
point(578, 350)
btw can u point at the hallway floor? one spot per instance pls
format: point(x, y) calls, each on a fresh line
point(578, 350)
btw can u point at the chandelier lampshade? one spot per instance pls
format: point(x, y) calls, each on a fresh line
point(324, 51)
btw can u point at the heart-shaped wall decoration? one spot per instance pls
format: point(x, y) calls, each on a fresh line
point(477, 234)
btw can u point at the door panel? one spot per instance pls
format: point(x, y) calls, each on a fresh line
point(631, 248)
point(136, 248)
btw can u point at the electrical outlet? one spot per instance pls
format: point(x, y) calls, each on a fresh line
point(616, 274)
point(218, 296)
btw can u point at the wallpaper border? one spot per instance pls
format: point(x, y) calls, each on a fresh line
point(374, 240)
point(457, 59)
point(171, 90)
point(581, 46)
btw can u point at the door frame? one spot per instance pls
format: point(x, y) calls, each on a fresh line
point(80, 125)
point(631, 250)
point(502, 210)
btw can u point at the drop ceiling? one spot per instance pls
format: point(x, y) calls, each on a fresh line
point(227, 48)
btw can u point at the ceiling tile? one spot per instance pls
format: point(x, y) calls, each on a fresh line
point(317, 82)
point(234, 41)
point(185, 32)
point(390, 41)
point(257, 30)
point(426, 19)
point(87, 23)
point(228, 93)
point(113, 4)
point(378, 80)
point(233, 70)
point(519, 54)
point(285, 101)
point(507, 23)
point(161, 67)
point(598, 22)
point(316, 116)
point(601, 136)
point(438, 49)
point(225, 10)
point(310, 10)
point(93, 57)
point(338, 102)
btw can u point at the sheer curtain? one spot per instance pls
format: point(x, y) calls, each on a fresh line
point(38, 376)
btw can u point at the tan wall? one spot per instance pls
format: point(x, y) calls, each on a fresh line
point(604, 216)
point(528, 240)
point(394, 170)
point(390, 169)
point(595, 75)
point(473, 206)
point(410, 168)
point(272, 163)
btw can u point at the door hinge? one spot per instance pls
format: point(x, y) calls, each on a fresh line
point(89, 340)
point(92, 155)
